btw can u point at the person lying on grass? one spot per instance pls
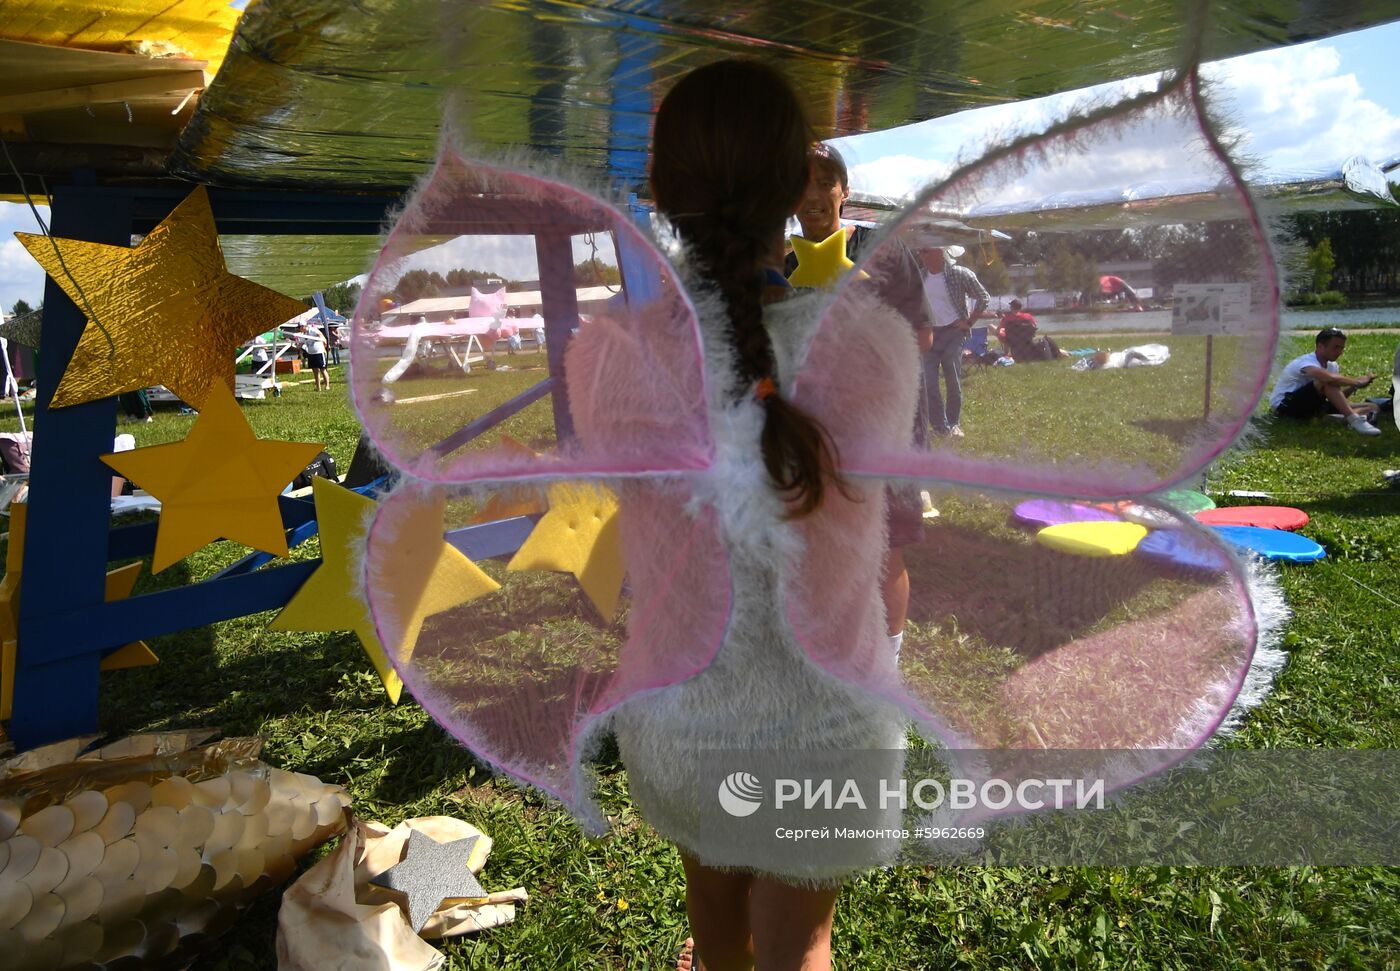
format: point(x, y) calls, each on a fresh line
point(1313, 384)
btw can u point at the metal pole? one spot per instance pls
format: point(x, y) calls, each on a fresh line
point(1210, 338)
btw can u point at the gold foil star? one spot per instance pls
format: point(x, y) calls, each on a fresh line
point(579, 535)
point(222, 481)
point(174, 313)
point(820, 264)
point(330, 599)
point(420, 573)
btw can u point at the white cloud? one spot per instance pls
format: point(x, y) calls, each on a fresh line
point(897, 175)
point(1301, 110)
point(20, 277)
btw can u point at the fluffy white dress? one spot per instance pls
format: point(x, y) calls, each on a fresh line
point(762, 692)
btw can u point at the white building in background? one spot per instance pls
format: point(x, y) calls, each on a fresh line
point(525, 303)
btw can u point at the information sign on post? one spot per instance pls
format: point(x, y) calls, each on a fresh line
point(1208, 309)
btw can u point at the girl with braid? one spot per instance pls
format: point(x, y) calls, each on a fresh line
point(729, 164)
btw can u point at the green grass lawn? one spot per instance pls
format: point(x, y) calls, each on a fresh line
point(318, 703)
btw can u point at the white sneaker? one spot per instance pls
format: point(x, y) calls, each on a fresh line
point(929, 511)
point(956, 431)
point(1360, 425)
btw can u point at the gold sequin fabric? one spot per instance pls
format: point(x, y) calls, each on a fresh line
point(146, 849)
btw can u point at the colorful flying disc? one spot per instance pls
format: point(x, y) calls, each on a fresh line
point(1269, 517)
point(1092, 539)
point(1272, 544)
point(1051, 512)
point(1187, 500)
point(1183, 549)
point(1149, 516)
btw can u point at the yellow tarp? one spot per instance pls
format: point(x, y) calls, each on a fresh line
point(197, 29)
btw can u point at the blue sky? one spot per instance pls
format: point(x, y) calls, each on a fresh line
point(1304, 108)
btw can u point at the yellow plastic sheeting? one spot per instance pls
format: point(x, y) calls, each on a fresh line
point(196, 29)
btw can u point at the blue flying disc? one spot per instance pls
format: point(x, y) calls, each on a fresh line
point(1272, 544)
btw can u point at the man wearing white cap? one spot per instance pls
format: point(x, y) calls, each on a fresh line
point(950, 289)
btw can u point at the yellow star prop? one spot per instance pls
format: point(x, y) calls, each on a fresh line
point(330, 599)
point(820, 264)
point(222, 481)
point(174, 313)
point(119, 585)
point(421, 574)
point(578, 535)
point(9, 608)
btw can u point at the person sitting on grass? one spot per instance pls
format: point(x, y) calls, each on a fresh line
point(1312, 385)
point(1017, 331)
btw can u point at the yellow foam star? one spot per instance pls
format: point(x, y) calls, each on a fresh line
point(174, 313)
point(820, 264)
point(222, 481)
point(420, 573)
point(9, 607)
point(330, 599)
point(579, 535)
point(119, 585)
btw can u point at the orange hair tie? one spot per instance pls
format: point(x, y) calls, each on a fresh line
point(764, 389)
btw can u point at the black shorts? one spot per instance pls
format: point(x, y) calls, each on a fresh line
point(1304, 402)
point(317, 362)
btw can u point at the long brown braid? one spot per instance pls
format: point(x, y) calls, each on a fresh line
point(729, 164)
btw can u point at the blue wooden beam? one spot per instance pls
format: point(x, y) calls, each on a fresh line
point(263, 212)
point(495, 416)
point(554, 252)
point(133, 541)
point(85, 632)
point(70, 491)
point(487, 541)
point(139, 539)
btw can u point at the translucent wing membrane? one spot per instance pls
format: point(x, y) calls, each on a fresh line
point(1097, 635)
point(487, 277)
point(613, 593)
point(1147, 308)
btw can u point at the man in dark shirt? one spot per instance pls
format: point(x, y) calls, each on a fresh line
point(819, 212)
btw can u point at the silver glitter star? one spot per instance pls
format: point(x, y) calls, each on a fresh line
point(429, 873)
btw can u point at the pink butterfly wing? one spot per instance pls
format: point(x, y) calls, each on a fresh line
point(1142, 190)
point(1011, 645)
point(526, 675)
point(425, 369)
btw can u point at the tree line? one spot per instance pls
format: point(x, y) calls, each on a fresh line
point(1356, 252)
point(422, 284)
point(1202, 252)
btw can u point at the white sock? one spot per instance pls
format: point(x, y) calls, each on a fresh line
point(897, 642)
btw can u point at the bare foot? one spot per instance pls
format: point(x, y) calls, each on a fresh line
point(687, 956)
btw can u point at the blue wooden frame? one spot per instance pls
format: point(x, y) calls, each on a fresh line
point(65, 624)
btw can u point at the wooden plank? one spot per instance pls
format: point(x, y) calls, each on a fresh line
point(107, 92)
point(28, 67)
